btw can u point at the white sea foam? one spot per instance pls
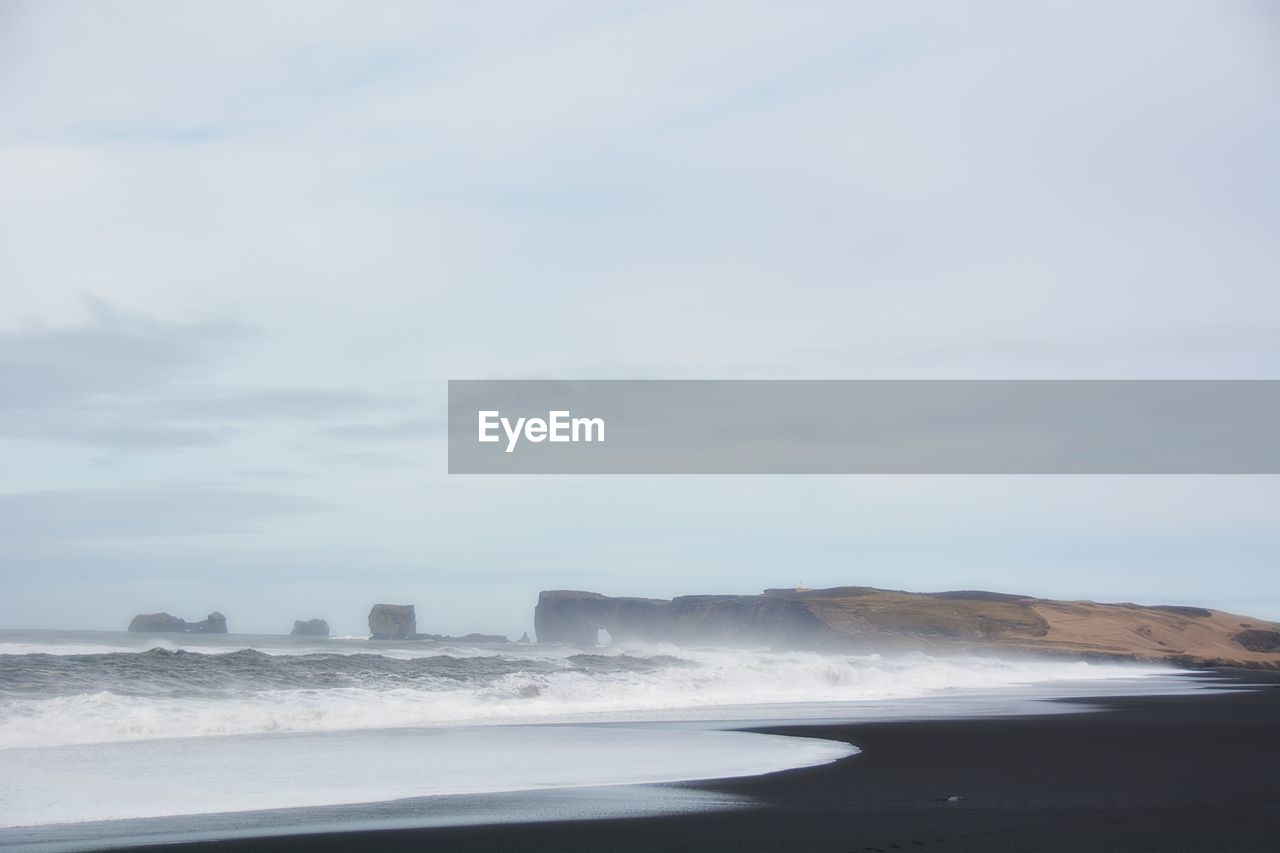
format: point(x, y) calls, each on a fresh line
point(85, 648)
point(231, 774)
point(205, 726)
point(698, 685)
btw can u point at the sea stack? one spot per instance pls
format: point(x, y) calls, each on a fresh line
point(392, 622)
point(165, 623)
point(157, 623)
point(214, 623)
point(310, 628)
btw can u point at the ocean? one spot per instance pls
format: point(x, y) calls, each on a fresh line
point(107, 726)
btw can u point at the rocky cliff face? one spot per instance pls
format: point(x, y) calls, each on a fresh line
point(885, 620)
point(160, 623)
point(392, 622)
point(310, 628)
point(572, 616)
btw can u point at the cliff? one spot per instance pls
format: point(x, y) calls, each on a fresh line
point(887, 620)
point(569, 616)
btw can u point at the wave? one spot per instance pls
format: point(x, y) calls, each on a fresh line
point(50, 700)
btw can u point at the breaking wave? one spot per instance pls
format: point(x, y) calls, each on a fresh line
point(59, 699)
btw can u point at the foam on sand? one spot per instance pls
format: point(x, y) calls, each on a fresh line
point(250, 773)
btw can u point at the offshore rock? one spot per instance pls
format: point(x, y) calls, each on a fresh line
point(465, 638)
point(392, 622)
point(214, 623)
point(154, 623)
point(310, 628)
point(165, 623)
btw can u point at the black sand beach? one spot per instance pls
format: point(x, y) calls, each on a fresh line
point(1152, 773)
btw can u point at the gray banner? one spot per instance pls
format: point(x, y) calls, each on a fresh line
point(863, 427)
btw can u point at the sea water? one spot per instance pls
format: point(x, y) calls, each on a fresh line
point(111, 725)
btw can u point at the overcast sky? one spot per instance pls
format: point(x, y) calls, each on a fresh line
point(243, 245)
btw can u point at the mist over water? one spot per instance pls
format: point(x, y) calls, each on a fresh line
point(64, 688)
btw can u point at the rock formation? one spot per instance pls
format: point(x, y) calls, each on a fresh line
point(524, 638)
point(392, 622)
point(153, 623)
point(465, 638)
point(214, 623)
point(886, 620)
point(569, 616)
point(156, 623)
point(310, 628)
point(481, 638)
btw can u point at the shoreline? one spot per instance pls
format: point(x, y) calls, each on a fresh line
point(1189, 772)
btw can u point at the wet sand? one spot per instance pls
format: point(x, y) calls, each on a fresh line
point(1196, 772)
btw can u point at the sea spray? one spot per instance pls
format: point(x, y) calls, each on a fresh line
point(210, 689)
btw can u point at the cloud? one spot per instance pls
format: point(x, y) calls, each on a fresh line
point(282, 403)
point(112, 355)
point(70, 515)
point(401, 430)
point(106, 430)
point(368, 460)
point(128, 381)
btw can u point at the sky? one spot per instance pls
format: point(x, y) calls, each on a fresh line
point(243, 246)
